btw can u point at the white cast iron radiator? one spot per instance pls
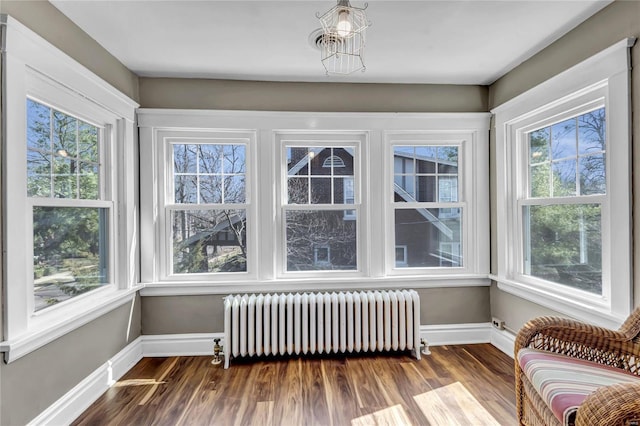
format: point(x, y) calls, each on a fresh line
point(287, 324)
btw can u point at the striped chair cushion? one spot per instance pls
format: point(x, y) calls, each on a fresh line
point(564, 382)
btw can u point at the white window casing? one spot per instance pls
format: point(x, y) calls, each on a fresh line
point(602, 81)
point(368, 134)
point(35, 69)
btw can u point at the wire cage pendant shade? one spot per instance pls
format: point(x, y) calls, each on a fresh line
point(343, 39)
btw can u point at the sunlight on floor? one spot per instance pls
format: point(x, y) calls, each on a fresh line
point(392, 416)
point(453, 405)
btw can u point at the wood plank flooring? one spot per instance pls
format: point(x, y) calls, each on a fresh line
point(455, 385)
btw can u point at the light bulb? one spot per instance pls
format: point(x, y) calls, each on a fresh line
point(344, 23)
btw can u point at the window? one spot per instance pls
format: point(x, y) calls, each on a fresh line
point(71, 209)
point(319, 217)
point(401, 256)
point(208, 213)
point(426, 208)
point(562, 208)
point(564, 216)
point(310, 201)
point(70, 217)
point(322, 255)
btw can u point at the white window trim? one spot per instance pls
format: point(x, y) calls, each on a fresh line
point(269, 126)
point(160, 245)
point(472, 195)
point(355, 141)
point(35, 68)
point(603, 78)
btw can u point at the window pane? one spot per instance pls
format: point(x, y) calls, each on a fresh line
point(583, 146)
point(87, 142)
point(209, 158)
point(88, 184)
point(328, 169)
point(207, 241)
point(425, 174)
point(592, 177)
point(563, 245)
point(320, 191)
point(426, 159)
point(210, 189)
point(64, 178)
point(209, 173)
point(403, 159)
point(564, 177)
point(540, 180)
point(448, 159)
point(64, 134)
point(298, 190)
point(563, 139)
point(70, 252)
point(184, 158)
point(62, 155)
point(432, 237)
point(306, 231)
point(539, 146)
point(38, 174)
point(234, 189)
point(185, 189)
point(592, 132)
point(38, 126)
point(234, 159)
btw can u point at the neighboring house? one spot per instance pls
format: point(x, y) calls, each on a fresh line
point(437, 242)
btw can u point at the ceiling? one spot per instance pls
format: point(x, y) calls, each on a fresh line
point(453, 42)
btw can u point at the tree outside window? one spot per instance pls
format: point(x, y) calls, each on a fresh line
point(70, 228)
point(562, 213)
point(208, 216)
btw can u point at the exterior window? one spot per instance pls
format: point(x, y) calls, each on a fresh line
point(427, 212)
point(319, 208)
point(401, 256)
point(562, 212)
point(70, 213)
point(208, 215)
point(563, 204)
point(322, 255)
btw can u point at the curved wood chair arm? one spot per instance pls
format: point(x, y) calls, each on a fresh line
point(541, 329)
point(611, 405)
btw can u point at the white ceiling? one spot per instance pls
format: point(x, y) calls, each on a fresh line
point(456, 42)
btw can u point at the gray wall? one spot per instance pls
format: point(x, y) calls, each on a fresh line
point(612, 24)
point(204, 314)
point(32, 383)
point(339, 97)
point(44, 19)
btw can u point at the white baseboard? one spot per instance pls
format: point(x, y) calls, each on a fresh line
point(456, 334)
point(79, 398)
point(193, 344)
point(503, 340)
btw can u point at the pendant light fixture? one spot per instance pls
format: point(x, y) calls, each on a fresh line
point(343, 38)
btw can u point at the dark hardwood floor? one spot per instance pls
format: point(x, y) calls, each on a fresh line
point(455, 385)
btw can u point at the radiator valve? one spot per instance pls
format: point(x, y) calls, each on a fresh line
point(217, 350)
point(424, 347)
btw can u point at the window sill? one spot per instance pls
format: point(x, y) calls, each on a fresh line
point(185, 288)
point(582, 311)
point(46, 332)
